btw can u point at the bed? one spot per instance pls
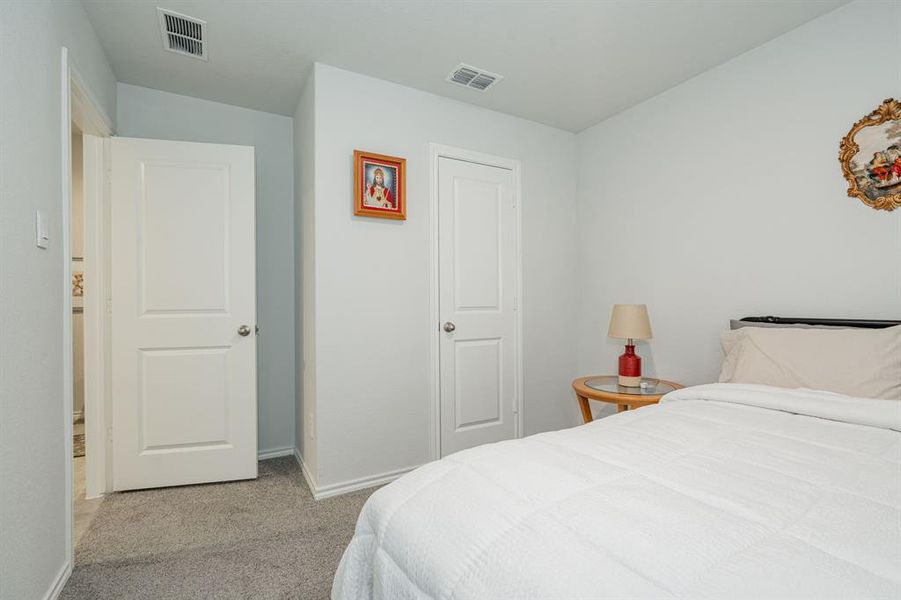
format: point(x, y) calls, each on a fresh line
point(726, 490)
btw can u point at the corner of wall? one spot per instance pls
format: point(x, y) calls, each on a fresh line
point(305, 280)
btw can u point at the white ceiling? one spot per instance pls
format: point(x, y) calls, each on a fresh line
point(569, 64)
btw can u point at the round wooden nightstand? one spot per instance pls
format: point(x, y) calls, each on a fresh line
point(605, 389)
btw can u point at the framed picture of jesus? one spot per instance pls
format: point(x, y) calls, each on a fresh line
point(380, 185)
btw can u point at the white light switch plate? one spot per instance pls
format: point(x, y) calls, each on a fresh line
point(41, 236)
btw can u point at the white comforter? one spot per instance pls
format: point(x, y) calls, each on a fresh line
point(720, 491)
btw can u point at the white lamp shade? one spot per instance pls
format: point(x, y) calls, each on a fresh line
point(630, 321)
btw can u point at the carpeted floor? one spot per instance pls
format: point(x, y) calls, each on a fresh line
point(266, 538)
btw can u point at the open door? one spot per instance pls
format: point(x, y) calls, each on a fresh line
point(183, 281)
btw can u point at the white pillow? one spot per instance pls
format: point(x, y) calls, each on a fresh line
point(856, 362)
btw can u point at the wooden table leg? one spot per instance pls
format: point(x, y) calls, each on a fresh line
point(586, 410)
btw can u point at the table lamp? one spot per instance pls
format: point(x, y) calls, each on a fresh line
point(630, 322)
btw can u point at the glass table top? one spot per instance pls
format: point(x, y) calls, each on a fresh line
point(650, 387)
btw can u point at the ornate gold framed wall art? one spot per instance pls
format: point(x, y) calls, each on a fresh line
point(380, 185)
point(870, 156)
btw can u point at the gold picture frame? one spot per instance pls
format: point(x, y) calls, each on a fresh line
point(380, 185)
point(876, 182)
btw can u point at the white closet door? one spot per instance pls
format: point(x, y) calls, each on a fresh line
point(477, 245)
point(183, 281)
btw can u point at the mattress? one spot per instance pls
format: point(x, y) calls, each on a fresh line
point(719, 491)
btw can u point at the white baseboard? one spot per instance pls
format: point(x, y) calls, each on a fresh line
point(336, 489)
point(344, 487)
point(59, 582)
point(308, 477)
point(275, 453)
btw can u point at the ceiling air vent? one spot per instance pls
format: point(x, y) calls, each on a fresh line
point(183, 34)
point(472, 77)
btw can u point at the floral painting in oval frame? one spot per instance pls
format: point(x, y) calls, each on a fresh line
point(870, 156)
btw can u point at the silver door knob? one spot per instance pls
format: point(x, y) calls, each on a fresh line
point(448, 327)
point(244, 330)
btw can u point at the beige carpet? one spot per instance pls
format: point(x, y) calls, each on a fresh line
point(266, 538)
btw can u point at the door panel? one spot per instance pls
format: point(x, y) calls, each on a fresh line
point(476, 247)
point(183, 281)
point(478, 394)
point(178, 274)
point(191, 383)
point(477, 244)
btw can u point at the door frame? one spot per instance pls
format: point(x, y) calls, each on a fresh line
point(97, 298)
point(78, 104)
point(437, 152)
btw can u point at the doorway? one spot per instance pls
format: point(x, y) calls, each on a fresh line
point(85, 132)
point(164, 232)
point(476, 299)
point(85, 506)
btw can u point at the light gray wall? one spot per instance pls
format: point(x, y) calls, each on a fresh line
point(723, 197)
point(154, 114)
point(304, 237)
point(34, 282)
point(372, 416)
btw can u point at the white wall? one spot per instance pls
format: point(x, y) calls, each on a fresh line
point(372, 316)
point(33, 282)
point(154, 114)
point(723, 197)
point(304, 241)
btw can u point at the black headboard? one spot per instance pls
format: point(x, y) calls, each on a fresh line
point(866, 323)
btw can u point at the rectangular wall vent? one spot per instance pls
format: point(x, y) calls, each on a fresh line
point(473, 77)
point(183, 34)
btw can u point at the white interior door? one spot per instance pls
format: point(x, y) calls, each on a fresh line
point(477, 279)
point(183, 283)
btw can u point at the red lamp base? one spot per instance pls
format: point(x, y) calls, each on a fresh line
point(630, 368)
